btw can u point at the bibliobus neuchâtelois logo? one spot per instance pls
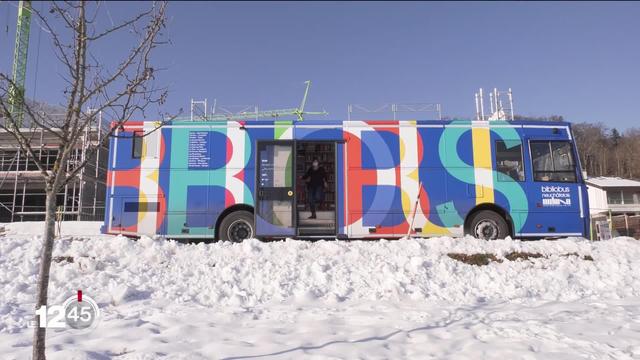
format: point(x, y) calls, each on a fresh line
point(556, 195)
point(79, 312)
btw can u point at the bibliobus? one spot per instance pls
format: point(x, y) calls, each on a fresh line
point(233, 180)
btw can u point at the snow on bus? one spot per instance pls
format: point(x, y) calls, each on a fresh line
point(234, 180)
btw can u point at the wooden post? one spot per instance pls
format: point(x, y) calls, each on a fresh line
point(415, 209)
point(626, 224)
point(59, 218)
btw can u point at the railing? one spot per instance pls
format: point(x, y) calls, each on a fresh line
point(395, 109)
point(620, 225)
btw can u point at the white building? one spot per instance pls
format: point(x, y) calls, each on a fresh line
point(613, 194)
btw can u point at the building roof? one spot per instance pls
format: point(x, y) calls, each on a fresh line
point(611, 182)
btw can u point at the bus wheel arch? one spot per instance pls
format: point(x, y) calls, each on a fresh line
point(485, 208)
point(239, 210)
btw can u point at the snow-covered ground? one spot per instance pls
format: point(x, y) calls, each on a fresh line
point(327, 299)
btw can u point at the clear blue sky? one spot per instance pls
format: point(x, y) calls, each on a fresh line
point(579, 60)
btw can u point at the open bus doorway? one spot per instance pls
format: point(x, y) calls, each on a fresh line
point(324, 221)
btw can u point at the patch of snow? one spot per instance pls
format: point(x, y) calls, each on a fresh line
point(326, 299)
point(68, 228)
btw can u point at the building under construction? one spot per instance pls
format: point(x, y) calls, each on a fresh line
point(22, 188)
point(22, 194)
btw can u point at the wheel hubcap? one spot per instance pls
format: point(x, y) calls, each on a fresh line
point(486, 229)
point(239, 230)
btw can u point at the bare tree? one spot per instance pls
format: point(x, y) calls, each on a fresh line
point(589, 140)
point(120, 90)
point(631, 149)
point(608, 152)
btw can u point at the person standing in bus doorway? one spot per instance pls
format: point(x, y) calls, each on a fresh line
point(316, 179)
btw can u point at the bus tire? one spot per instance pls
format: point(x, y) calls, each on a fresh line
point(488, 225)
point(237, 226)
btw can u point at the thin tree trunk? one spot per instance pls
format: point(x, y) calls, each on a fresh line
point(605, 162)
point(39, 333)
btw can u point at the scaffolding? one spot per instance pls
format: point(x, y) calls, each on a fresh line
point(199, 111)
point(22, 188)
point(501, 105)
point(394, 110)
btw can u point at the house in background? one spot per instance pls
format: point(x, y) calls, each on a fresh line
point(616, 200)
point(613, 195)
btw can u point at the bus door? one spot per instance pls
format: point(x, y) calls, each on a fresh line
point(124, 214)
point(275, 192)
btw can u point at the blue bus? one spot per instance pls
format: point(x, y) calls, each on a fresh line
point(233, 180)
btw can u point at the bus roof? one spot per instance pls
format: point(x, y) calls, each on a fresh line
point(465, 122)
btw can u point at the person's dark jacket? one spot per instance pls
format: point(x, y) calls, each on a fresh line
point(317, 177)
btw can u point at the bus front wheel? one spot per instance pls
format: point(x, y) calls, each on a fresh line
point(237, 226)
point(488, 225)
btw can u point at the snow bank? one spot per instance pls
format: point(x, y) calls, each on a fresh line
point(119, 269)
point(146, 276)
point(68, 228)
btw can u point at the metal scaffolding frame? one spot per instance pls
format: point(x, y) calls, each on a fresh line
point(199, 111)
point(395, 109)
point(497, 100)
point(22, 194)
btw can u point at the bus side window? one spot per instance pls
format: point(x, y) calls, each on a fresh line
point(562, 158)
point(137, 144)
point(553, 161)
point(509, 160)
point(145, 144)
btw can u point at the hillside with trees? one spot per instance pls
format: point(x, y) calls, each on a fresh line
point(603, 151)
point(606, 151)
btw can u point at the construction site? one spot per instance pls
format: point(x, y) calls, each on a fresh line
point(22, 188)
point(22, 194)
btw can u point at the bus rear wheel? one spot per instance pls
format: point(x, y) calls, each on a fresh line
point(237, 226)
point(488, 225)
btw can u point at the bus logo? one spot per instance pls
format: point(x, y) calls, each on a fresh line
point(556, 195)
point(556, 202)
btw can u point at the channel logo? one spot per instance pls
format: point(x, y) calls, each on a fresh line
point(79, 312)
